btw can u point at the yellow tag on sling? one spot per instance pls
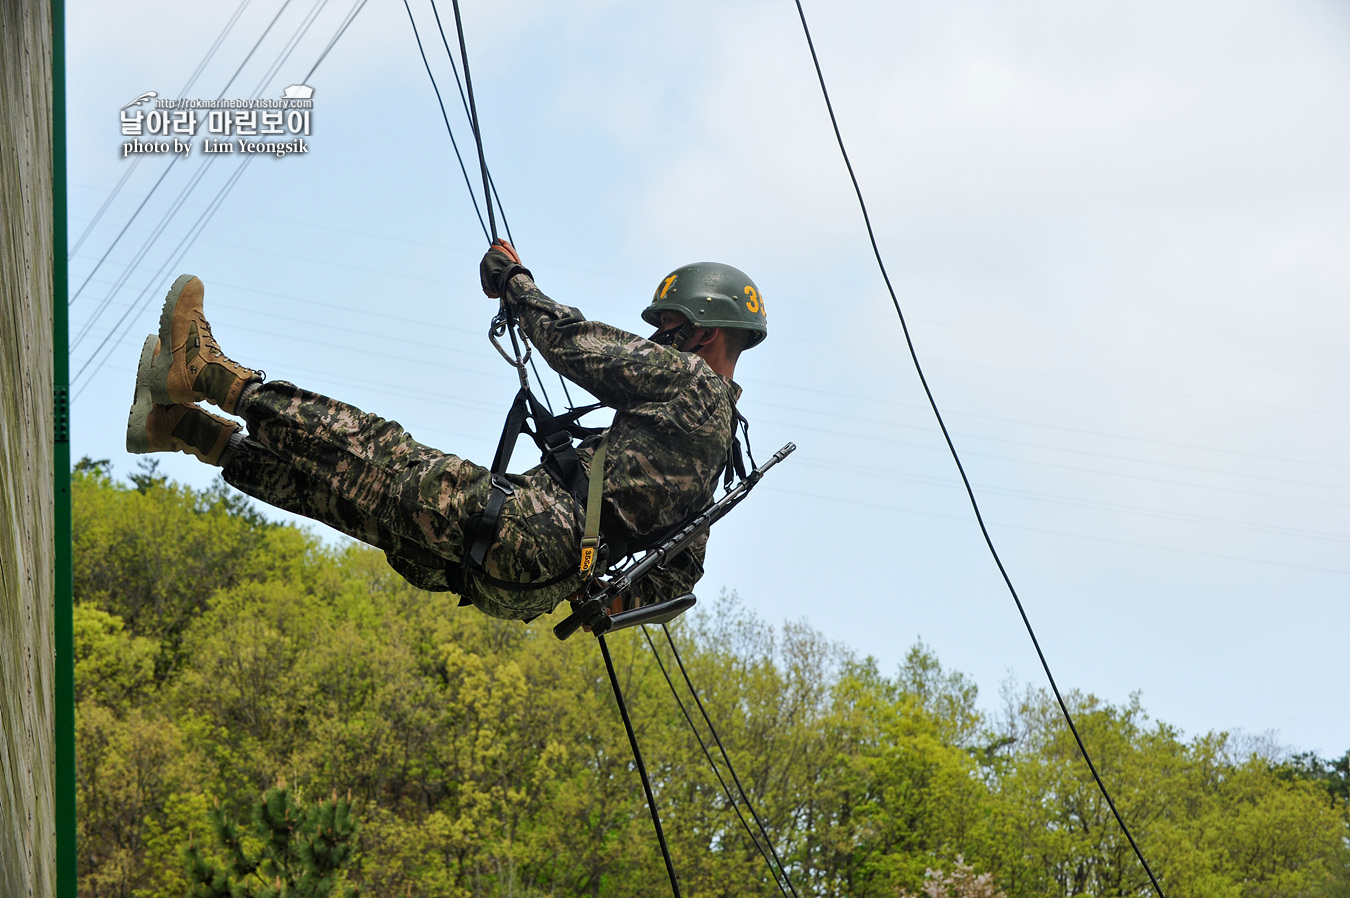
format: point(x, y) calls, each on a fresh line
point(590, 540)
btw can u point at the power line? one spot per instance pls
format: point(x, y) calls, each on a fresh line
point(892, 507)
point(871, 437)
point(174, 256)
point(215, 204)
point(881, 439)
point(1076, 502)
point(1244, 365)
point(140, 254)
point(99, 264)
point(1143, 389)
point(254, 48)
point(290, 45)
point(751, 378)
point(210, 54)
point(174, 161)
point(439, 398)
point(368, 312)
point(970, 492)
point(117, 188)
point(347, 23)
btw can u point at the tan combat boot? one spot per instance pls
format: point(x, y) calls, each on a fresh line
point(172, 428)
point(189, 366)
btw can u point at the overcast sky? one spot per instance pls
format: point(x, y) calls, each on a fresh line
point(1118, 231)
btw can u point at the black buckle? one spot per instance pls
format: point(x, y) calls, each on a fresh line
point(486, 531)
point(673, 336)
point(557, 441)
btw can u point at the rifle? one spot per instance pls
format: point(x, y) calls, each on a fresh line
point(592, 610)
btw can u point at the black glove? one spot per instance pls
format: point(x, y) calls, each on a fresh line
point(499, 265)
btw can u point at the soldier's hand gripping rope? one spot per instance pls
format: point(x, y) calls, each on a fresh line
point(499, 265)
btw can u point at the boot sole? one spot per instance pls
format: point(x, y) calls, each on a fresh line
point(143, 401)
point(163, 361)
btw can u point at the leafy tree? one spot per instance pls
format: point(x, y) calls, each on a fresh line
point(217, 653)
point(907, 796)
point(155, 555)
point(1331, 775)
point(112, 667)
point(289, 849)
point(135, 780)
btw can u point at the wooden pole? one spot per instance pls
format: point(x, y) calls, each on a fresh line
point(28, 564)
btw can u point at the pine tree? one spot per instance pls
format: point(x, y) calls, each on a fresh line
point(288, 850)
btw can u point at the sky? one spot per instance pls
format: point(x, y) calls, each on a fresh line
point(1117, 231)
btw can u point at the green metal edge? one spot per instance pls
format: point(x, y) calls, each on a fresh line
point(63, 601)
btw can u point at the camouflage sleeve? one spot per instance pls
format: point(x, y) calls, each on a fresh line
point(616, 367)
point(674, 580)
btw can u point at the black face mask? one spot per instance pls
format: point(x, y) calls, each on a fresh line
point(673, 337)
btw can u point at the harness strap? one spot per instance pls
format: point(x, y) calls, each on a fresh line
point(486, 530)
point(735, 460)
point(516, 586)
point(515, 423)
point(553, 434)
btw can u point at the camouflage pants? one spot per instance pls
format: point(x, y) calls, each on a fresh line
point(368, 478)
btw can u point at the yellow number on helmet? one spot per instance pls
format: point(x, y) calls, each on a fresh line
point(754, 304)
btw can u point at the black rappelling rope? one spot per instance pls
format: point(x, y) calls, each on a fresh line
point(604, 646)
point(473, 195)
point(764, 853)
point(642, 768)
point(722, 749)
point(473, 120)
point(465, 103)
point(970, 492)
point(489, 188)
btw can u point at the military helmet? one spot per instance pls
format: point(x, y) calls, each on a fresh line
point(711, 294)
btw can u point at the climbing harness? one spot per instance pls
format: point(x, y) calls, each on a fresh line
point(553, 434)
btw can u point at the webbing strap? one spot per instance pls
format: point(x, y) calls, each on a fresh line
point(590, 537)
point(486, 531)
point(515, 422)
point(553, 434)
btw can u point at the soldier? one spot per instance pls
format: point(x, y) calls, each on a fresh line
point(674, 421)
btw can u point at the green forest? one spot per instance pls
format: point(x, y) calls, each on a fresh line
point(263, 714)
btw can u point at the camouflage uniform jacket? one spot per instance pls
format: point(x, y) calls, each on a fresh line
point(673, 425)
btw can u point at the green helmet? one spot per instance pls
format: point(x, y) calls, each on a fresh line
point(711, 294)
